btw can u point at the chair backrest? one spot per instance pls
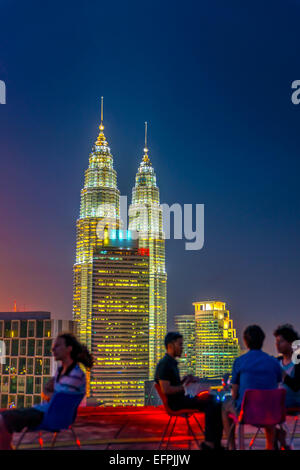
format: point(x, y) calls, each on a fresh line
point(263, 407)
point(162, 397)
point(62, 411)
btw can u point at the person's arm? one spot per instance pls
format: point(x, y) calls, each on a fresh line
point(293, 382)
point(235, 380)
point(48, 389)
point(169, 389)
point(49, 386)
point(234, 391)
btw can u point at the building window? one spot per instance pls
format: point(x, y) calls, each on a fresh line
point(7, 347)
point(21, 384)
point(39, 347)
point(22, 366)
point(38, 366)
point(47, 329)
point(14, 329)
point(29, 385)
point(46, 370)
point(30, 347)
point(23, 329)
point(7, 329)
point(29, 366)
point(4, 386)
point(5, 367)
point(36, 399)
point(4, 401)
point(13, 385)
point(15, 347)
point(39, 328)
point(47, 347)
point(20, 401)
point(28, 402)
point(23, 347)
point(38, 385)
point(12, 401)
point(31, 332)
point(14, 366)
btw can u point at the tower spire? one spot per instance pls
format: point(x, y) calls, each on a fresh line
point(145, 157)
point(145, 149)
point(101, 127)
point(101, 140)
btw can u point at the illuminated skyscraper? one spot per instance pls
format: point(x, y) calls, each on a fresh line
point(120, 309)
point(216, 341)
point(99, 209)
point(185, 325)
point(145, 217)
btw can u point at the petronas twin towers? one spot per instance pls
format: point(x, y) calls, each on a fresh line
point(99, 218)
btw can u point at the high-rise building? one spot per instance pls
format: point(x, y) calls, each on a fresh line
point(28, 362)
point(145, 217)
point(99, 210)
point(120, 309)
point(185, 325)
point(216, 341)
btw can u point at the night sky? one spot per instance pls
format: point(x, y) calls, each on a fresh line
point(213, 80)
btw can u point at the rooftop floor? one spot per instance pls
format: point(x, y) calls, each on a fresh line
point(129, 429)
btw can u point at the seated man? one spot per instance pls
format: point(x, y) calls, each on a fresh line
point(69, 378)
point(167, 376)
point(253, 370)
point(285, 336)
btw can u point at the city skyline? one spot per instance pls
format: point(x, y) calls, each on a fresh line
point(100, 221)
point(222, 130)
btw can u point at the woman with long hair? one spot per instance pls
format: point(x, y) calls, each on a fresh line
point(69, 378)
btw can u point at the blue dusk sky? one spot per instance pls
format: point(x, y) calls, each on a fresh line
point(213, 80)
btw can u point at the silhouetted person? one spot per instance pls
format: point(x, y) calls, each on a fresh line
point(285, 335)
point(252, 370)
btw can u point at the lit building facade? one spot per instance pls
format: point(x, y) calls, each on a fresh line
point(185, 325)
point(216, 341)
point(28, 362)
point(99, 210)
point(145, 217)
point(120, 323)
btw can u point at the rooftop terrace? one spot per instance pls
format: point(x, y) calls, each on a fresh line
point(129, 428)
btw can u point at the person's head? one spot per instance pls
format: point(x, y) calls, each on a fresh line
point(174, 343)
point(66, 347)
point(285, 335)
point(254, 337)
